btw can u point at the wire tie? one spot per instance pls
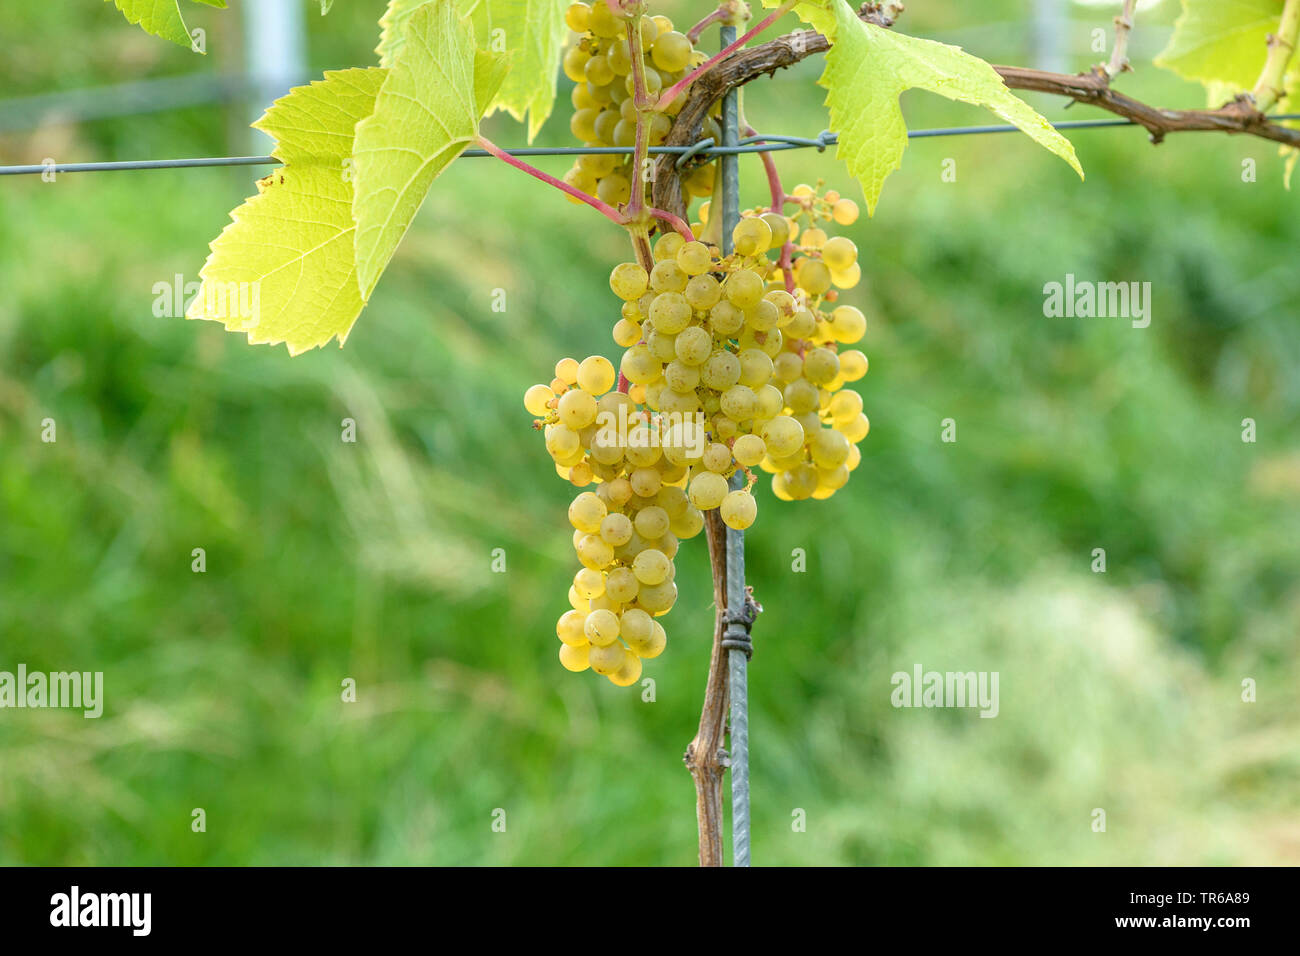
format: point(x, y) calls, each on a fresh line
point(706, 143)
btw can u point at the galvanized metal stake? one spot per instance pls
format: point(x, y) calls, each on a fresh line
point(735, 632)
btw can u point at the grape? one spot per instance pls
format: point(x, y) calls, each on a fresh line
point(591, 584)
point(749, 450)
point(657, 598)
point(751, 237)
point(671, 52)
point(845, 212)
point(646, 482)
point(694, 345)
point(628, 673)
point(856, 429)
point(681, 377)
point(667, 276)
point(670, 312)
point(853, 365)
point(577, 409)
point(596, 375)
point(828, 448)
point(743, 289)
point(639, 365)
point(607, 659)
point(738, 402)
point(703, 292)
point(629, 281)
point(626, 333)
point(819, 366)
point(694, 258)
point(845, 406)
point(576, 17)
point(783, 436)
point(706, 490)
point(687, 525)
point(763, 316)
point(717, 457)
point(755, 369)
point(601, 627)
point(621, 585)
point(574, 658)
point(594, 552)
point(614, 189)
point(738, 510)
point(814, 278)
point(651, 566)
point(848, 324)
point(667, 245)
point(570, 628)
point(652, 522)
point(721, 371)
point(847, 278)
point(538, 400)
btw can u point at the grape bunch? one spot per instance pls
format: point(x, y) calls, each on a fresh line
point(765, 365)
point(729, 363)
point(627, 531)
point(600, 65)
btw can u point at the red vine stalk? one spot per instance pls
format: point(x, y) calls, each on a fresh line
point(675, 90)
point(722, 13)
point(608, 211)
point(778, 207)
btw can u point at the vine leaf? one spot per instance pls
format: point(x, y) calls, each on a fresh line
point(532, 32)
point(293, 243)
point(161, 17)
point(1221, 43)
point(867, 69)
point(426, 113)
point(816, 13)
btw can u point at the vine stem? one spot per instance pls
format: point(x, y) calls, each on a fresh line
point(605, 209)
point(676, 222)
point(723, 12)
point(1123, 27)
point(1281, 47)
point(675, 90)
point(641, 98)
point(778, 207)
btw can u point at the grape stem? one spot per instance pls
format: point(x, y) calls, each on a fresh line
point(641, 97)
point(778, 207)
point(605, 209)
point(1281, 47)
point(676, 89)
point(724, 12)
point(682, 229)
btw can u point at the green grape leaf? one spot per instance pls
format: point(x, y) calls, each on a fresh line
point(816, 13)
point(1221, 43)
point(392, 25)
point(532, 32)
point(289, 252)
point(868, 68)
point(427, 112)
point(161, 17)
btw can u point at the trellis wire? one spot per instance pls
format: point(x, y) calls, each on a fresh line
point(737, 659)
point(762, 143)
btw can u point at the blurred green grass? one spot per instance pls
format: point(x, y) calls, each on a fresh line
point(328, 560)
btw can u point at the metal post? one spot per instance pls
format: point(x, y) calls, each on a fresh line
point(737, 659)
point(275, 56)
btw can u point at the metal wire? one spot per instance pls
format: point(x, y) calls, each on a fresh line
point(762, 143)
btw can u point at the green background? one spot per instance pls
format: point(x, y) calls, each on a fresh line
point(1120, 691)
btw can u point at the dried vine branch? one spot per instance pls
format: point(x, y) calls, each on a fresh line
point(1241, 115)
point(704, 754)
